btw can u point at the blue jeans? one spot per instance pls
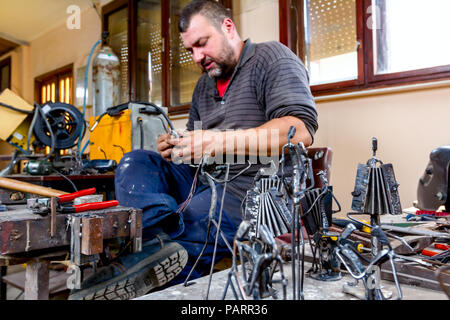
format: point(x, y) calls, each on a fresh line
point(146, 181)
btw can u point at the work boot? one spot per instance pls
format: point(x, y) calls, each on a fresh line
point(136, 274)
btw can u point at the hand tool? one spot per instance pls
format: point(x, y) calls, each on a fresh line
point(411, 244)
point(415, 217)
point(89, 206)
point(43, 206)
point(429, 253)
point(71, 196)
point(13, 184)
point(432, 213)
point(417, 231)
point(441, 246)
point(416, 260)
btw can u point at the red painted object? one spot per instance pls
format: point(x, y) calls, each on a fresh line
point(441, 246)
point(429, 253)
point(432, 213)
point(95, 205)
point(89, 206)
point(72, 196)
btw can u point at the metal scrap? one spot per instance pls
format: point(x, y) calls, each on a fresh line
point(376, 189)
point(416, 231)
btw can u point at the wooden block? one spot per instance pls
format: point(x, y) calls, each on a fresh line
point(53, 204)
point(92, 235)
point(75, 240)
point(136, 230)
point(37, 280)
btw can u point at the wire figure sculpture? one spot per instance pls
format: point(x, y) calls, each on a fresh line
point(259, 260)
point(203, 170)
point(296, 188)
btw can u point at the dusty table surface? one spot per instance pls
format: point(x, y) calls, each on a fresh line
point(313, 289)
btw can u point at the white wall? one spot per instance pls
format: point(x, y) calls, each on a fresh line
point(62, 46)
point(57, 48)
point(20, 59)
point(257, 19)
point(254, 19)
point(408, 125)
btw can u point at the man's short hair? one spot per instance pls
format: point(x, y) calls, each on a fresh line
point(210, 9)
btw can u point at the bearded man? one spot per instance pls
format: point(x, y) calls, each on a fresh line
point(247, 93)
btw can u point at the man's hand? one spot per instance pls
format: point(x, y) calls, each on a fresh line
point(164, 147)
point(195, 144)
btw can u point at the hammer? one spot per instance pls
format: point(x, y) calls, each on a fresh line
point(13, 184)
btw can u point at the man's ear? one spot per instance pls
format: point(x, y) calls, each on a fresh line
point(228, 27)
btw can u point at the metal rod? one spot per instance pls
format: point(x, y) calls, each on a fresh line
point(275, 222)
point(281, 223)
point(218, 229)
point(385, 193)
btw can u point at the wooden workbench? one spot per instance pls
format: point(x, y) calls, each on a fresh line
point(26, 238)
point(104, 183)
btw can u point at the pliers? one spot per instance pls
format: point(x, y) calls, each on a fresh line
point(424, 215)
point(44, 205)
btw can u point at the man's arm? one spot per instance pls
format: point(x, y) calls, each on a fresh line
point(267, 139)
point(271, 137)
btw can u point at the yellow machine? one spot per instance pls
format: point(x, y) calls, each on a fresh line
point(131, 126)
point(111, 139)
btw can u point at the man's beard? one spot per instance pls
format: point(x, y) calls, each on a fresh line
point(224, 63)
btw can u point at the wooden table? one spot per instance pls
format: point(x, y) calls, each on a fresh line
point(104, 183)
point(313, 289)
point(26, 238)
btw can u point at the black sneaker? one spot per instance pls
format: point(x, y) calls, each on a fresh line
point(136, 274)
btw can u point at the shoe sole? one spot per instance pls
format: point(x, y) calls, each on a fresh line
point(169, 262)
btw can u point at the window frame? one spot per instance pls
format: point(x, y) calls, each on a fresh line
point(6, 63)
point(366, 79)
point(54, 75)
point(117, 5)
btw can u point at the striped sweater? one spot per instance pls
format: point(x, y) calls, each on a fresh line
point(269, 82)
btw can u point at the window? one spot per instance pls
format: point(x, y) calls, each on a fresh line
point(5, 74)
point(155, 67)
point(330, 41)
point(357, 44)
point(55, 86)
point(118, 40)
point(410, 35)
